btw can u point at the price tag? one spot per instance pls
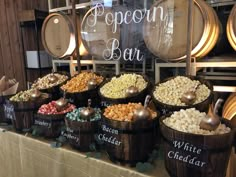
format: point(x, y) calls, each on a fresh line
point(9, 111)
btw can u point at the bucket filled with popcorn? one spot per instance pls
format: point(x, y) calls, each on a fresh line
point(51, 83)
point(126, 138)
point(82, 87)
point(124, 88)
point(168, 94)
point(24, 105)
point(192, 151)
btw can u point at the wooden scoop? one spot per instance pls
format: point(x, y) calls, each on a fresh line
point(212, 122)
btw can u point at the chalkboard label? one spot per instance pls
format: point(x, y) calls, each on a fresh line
point(165, 111)
point(71, 100)
point(105, 104)
point(43, 123)
point(71, 135)
point(184, 152)
point(109, 135)
point(9, 111)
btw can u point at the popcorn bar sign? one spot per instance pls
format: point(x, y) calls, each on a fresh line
point(113, 20)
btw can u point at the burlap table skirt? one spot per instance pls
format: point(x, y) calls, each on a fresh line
point(24, 156)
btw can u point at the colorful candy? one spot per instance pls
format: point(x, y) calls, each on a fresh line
point(50, 108)
point(75, 115)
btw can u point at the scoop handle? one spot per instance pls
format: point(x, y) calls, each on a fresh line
point(64, 94)
point(147, 100)
point(217, 106)
point(89, 103)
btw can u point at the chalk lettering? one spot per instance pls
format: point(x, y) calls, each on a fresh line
point(109, 130)
point(111, 139)
point(186, 159)
point(187, 147)
point(71, 136)
point(42, 123)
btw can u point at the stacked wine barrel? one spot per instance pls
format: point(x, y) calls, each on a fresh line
point(166, 37)
point(231, 28)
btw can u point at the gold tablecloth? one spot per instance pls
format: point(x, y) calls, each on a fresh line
point(24, 156)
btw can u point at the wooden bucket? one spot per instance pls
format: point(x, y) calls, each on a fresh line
point(81, 134)
point(137, 98)
point(96, 36)
point(222, 46)
point(55, 90)
point(166, 108)
point(80, 99)
point(166, 36)
point(229, 109)
point(231, 28)
point(50, 126)
point(196, 155)
point(24, 113)
point(58, 35)
point(3, 119)
point(128, 142)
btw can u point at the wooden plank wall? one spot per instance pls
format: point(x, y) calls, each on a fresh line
point(11, 54)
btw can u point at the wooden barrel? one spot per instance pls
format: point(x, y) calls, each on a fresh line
point(222, 46)
point(165, 35)
point(231, 28)
point(81, 134)
point(24, 113)
point(58, 35)
point(80, 99)
point(202, 106)
point(55, 90)
point(194, 155)
point(136, 98)
point(229, 109)
point(3, 119)
point(96, 34)
point(50, 126)
point(128, 142)
point(215, 2)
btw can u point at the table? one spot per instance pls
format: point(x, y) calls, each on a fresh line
point(22, 155)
